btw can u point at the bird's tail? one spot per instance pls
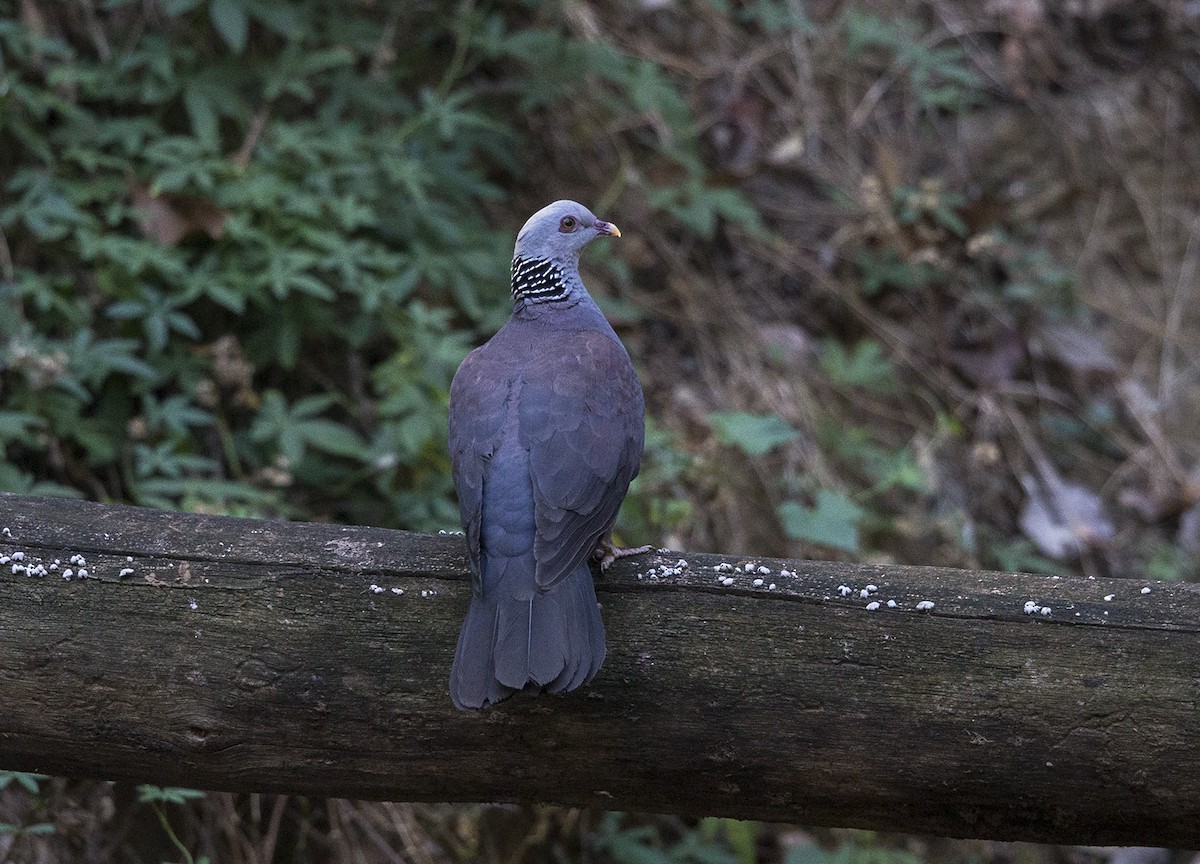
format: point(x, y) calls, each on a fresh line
point(545, 642)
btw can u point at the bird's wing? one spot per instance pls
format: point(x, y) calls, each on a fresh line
point(478, 396)
point(582, 420)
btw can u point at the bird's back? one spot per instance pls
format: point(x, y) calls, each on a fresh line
point(546, 425)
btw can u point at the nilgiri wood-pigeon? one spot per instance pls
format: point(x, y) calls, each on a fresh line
point(546, 426)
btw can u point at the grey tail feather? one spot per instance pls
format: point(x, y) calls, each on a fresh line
point(544, 642)
point(473, 681)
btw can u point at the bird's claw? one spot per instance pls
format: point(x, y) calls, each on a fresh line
point(607, 552)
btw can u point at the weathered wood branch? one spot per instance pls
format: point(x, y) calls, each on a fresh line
point(249, 655)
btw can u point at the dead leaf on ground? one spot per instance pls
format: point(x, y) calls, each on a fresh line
point(169, 217)
point(1188, 537)
point(1079, 349)
point(1061, 518)
point(992, 364)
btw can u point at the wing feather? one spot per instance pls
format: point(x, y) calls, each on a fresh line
point(478, 399)
point(582, 420)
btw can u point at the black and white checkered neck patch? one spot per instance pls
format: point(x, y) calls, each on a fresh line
point(537, 280)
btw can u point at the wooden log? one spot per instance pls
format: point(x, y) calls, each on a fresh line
point(238, 654)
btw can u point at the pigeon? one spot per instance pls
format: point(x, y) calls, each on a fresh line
point(546, 427)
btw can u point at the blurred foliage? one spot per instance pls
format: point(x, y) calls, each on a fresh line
point(644, 844)
point(248, 242)
point(155, 797)
point(940, 76)
point(861, 847)
point(753, 434)
point(657, 503)
point(13, 832)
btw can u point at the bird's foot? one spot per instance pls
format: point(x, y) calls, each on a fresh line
point(607, 552)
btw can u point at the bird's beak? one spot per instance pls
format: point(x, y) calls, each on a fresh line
point(608, 228)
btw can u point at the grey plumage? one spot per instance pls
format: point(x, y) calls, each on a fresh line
point(546, 428)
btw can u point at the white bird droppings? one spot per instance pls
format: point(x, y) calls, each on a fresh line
point(664, 571)
point(872, 606)
point(1146, 590)
point(925, 605)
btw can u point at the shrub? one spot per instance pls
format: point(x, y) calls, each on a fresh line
point(247, 243)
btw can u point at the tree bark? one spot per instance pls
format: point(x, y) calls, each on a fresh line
point(239, 654)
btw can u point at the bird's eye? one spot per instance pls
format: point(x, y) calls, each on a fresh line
point(567, 224)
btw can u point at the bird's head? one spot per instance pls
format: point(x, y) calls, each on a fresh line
point(559, 231)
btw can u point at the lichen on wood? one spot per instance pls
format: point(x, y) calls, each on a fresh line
point(240, 654)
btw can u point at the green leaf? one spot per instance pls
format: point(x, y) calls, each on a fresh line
point(28, 781)
point(753, 434)
point(178, 7)
point(203, 116)
point(833, 521)
point(148, 793)
point(862, 366)
point(699, 206)
point(13, 479)
point(807, 853)
point(231, 21)
point(777, 16)
point(331, 437)
point(18, 424)
point(741, 835)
